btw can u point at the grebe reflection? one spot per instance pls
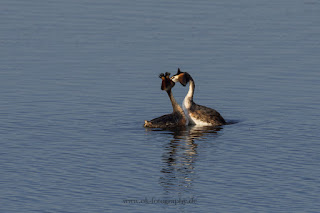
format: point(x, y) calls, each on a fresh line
point(180, 155)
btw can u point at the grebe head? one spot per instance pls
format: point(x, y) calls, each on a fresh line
point(181, 77)
point(167, 83)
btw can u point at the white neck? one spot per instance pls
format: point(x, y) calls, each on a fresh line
point(189, 97)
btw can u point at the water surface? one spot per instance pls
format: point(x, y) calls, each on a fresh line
point(78, 79)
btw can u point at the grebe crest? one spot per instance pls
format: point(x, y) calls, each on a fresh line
point(166, 83)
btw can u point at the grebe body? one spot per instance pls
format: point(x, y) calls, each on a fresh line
point(177, 117)
point(195, 113)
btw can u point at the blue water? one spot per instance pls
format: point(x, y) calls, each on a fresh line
point(78, 79)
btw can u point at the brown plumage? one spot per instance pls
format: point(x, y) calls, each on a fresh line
point(206, 114)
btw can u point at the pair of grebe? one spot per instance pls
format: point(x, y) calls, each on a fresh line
point(190, 113)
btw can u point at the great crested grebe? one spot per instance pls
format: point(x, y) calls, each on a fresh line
point(196, 114)
point(177, 117)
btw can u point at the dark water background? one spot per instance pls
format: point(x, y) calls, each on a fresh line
point(78, 78)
